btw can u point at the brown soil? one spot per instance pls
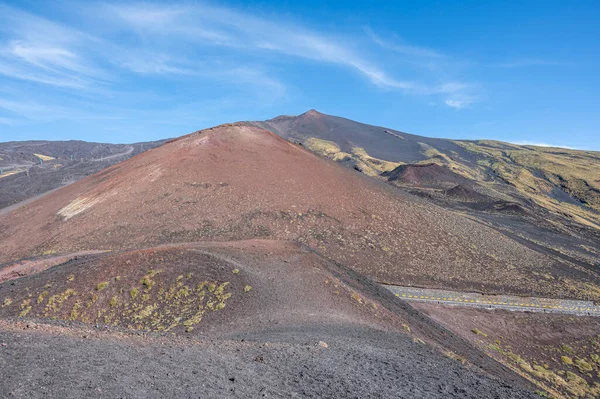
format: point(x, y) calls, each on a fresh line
point(528, 341)
point(238, 182)
point(465, 193)
point(223, 289)
point(41, 361)
point(27, 267)
point(425, 175)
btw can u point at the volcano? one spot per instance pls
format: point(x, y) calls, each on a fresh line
point(237, 182)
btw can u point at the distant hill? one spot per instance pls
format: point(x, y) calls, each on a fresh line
point(547, 196)
point(30, 168)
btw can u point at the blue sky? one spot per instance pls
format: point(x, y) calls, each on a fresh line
point(518, 71)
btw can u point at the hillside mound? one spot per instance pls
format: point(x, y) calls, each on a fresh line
point(426, 175)
point(236, 182)
point(509, 207)
point(200, 287)
point(465, 193)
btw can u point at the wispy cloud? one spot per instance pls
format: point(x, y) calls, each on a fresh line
point(106, 50)
point(205, 25)
point(213, 26)
point(42, 51)
point(526, 62)
point(396, 45)
point(8, 121)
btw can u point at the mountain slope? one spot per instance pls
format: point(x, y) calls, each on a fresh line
point(380, 142)
point(552, 177)
point(548, 197)
point(237, 182)
point(31, 168)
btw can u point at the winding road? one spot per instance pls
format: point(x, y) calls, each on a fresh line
point(122, 154)
point(506, 302)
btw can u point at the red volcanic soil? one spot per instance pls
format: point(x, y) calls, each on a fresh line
point(424, 175)
point(237, 182)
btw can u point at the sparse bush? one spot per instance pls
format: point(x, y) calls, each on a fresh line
point(583, 366)
point(567, 349)
point(572, 376)
point(566, 360)
point(247, 288)
point(147, 282)
point(102, 286)
point(25, 311)
point(478, 332)
point(236, 271)
point(495, 347)
point(41, 297)
point(114, 301)
point(75, 311)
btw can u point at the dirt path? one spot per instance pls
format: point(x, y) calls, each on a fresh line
point(506, 302)
point(27, 267)
point(122, 154)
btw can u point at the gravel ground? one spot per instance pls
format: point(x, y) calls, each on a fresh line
point(349, 363)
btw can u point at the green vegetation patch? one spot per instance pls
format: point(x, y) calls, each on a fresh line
point(566, 360)
point(101, 286)
point(150, 304)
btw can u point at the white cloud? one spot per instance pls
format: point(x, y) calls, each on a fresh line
point(541, 144)
point(460, 99)
point(455, 103)
point(403, 48)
